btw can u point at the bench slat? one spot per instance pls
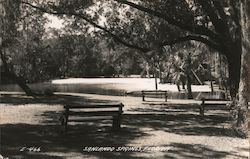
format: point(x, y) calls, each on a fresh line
point(153, 91)
point(211, 99)
point(82, 106)
point(214, 104)
point(221, 108)
point(88, 120)
point(94, 113)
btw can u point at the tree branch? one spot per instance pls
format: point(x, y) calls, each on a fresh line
point(195, 38)
point(220, 24)
point(206, 5)
point(234, 4)
point(220, 9)
point(118, 39)
point(191, 28)
point(223, 16)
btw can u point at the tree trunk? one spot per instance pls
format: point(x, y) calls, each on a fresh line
point(188, 73)
point(242, 121)
point(220, 71)
point(155, 75)
point(156, 83)
point(9, 73)
point(189, 89)
point(160, 73)
point(20, 83)
point(234, 66)
point(147, 70)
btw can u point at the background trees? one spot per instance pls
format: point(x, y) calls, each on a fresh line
point(10, 42)
point(213, 22)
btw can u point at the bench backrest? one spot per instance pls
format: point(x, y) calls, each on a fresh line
point(93, 109)
point(155, 91)
point(93, 105)
point(214, 99)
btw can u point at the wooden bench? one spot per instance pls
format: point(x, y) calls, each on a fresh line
point(154, 92)
point(216, 103)
point(90, 112)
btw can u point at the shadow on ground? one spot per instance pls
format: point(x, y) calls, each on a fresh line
point(54, 99)
point(183, 124)
point(50, 138)
point(181, 150)
point(55, 144)
point(14, 137)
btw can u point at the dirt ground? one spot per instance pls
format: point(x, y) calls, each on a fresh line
point(151, 129)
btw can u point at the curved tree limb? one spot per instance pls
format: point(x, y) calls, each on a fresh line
point(195, 38)
point(210, 7)
point(191, 28)
point(220, 9)
point(118, 39)
point(234, 4)
point(222, 14)
point(9, 73)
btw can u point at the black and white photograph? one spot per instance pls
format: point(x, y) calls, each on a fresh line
point(124, 79)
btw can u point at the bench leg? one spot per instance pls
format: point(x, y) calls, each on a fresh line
point(65, 126)
point(202, 110)
point(143, 96)
point(65, 122)
point(116, 122)
point(166, 97)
